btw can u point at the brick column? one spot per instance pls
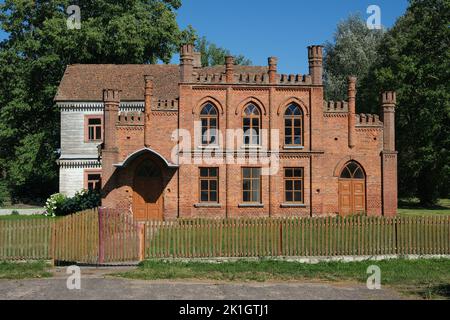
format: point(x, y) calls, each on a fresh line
point(351, 111)
point(229, 69)
point(148, 110)
point(389, 155)
point(273, 63)
point(315, 59)
point(186, 62)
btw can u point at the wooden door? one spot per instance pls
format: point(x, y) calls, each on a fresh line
point(148, 195)
point(352, 190)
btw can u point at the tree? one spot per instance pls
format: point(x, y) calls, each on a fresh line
point(352, 53)
point(33, 59)
point(213, 55)
point(414, 60)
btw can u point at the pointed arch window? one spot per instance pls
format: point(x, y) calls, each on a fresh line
point(352, 171)
point(293, 126)
point(209, 118)
point(251, 124)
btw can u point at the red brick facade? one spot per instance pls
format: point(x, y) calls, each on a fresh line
point(332, 135)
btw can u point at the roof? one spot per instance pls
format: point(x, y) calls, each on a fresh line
point(86, 82)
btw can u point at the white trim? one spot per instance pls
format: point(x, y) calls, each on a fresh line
point(142, 151)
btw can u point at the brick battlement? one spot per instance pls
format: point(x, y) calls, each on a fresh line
point(161, 105)
point(368, 120)
point(335, 106)
point(130, 118)
point(253, 78)
point(294, 79)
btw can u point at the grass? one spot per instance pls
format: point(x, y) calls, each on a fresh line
point(426, 278)
point(24, 270)
point(413, 208)
point(23, 217)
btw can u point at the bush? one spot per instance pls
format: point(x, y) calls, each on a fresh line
point(60, 205)
point(15, 213)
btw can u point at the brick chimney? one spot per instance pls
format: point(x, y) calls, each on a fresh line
point(186, 62)
point(315, 59)
point(351, 110)
point(197, 59)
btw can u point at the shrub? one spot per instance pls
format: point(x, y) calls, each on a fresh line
point(15, 213)
point(60, 205)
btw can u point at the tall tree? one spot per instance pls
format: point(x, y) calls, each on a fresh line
point(352, 52)
point(33, 59)
point(213, 55)
point(414, 60)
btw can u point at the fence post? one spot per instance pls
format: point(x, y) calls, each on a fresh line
point(101, 249)
point(141, 230)
point(280, 243)
point(396, 234)
point(53, 242)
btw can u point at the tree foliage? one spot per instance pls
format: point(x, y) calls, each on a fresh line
point(33, 59)
point(213, 55)
point(352, 52)
point(412, 58)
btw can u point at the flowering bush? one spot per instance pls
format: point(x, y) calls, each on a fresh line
point(60, 205)
point(54, 203)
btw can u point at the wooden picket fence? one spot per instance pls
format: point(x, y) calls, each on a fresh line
point(330, 236)
point(28, 239)
point(110, 236)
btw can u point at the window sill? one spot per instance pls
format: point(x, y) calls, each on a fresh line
point(293, 147)
point(207, 205)
point(93, 141)
point(251, 147)
point(293, 205)
point(251, 205)
point(209, 147)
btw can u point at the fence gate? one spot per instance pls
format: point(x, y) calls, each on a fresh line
point(97, 237)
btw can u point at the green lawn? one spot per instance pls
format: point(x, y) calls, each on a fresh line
point(413, 208)
point(22, 217)
point(426, 278)
point(24, 270)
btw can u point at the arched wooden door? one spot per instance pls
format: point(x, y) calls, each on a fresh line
point(352, 190)
point(148, 192)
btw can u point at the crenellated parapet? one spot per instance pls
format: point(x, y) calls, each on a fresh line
point(165, 105)
point(209, 77)
point(335, 106)
point(294, 79)
point(130, 118)
point(368, 120)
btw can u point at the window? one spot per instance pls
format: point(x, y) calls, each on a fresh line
point(293, 126)
point(251, 125)
point(94, 128)
point(209, 119)
point(209, 185)
point(293, 185)
point(251, 185)
point(93, 180)
point(352, 171)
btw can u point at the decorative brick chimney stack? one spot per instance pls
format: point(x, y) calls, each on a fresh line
point(273, 63)
point(388, 102)
point(351, 110)
point(148, 109)
point(110, 152)
point(229, 68)
point(186, 62)
point(315, 58)
point(389, 155)
point(197, 59)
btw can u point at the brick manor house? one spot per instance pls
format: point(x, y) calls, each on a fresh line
point(119, 134)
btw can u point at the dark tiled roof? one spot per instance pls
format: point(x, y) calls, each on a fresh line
point(85, 82)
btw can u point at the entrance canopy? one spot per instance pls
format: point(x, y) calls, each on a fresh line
point(144, 151)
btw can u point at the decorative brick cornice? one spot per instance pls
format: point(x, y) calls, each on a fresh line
point(79, 163)
point(76, 106)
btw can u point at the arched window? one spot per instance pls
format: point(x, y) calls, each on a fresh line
point(352, 171)
point(293, 126)
point(251, 125)
point(209, 118)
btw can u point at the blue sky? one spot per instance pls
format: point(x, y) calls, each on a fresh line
point(283, 28)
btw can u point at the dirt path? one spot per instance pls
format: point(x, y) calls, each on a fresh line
point(96, 284)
